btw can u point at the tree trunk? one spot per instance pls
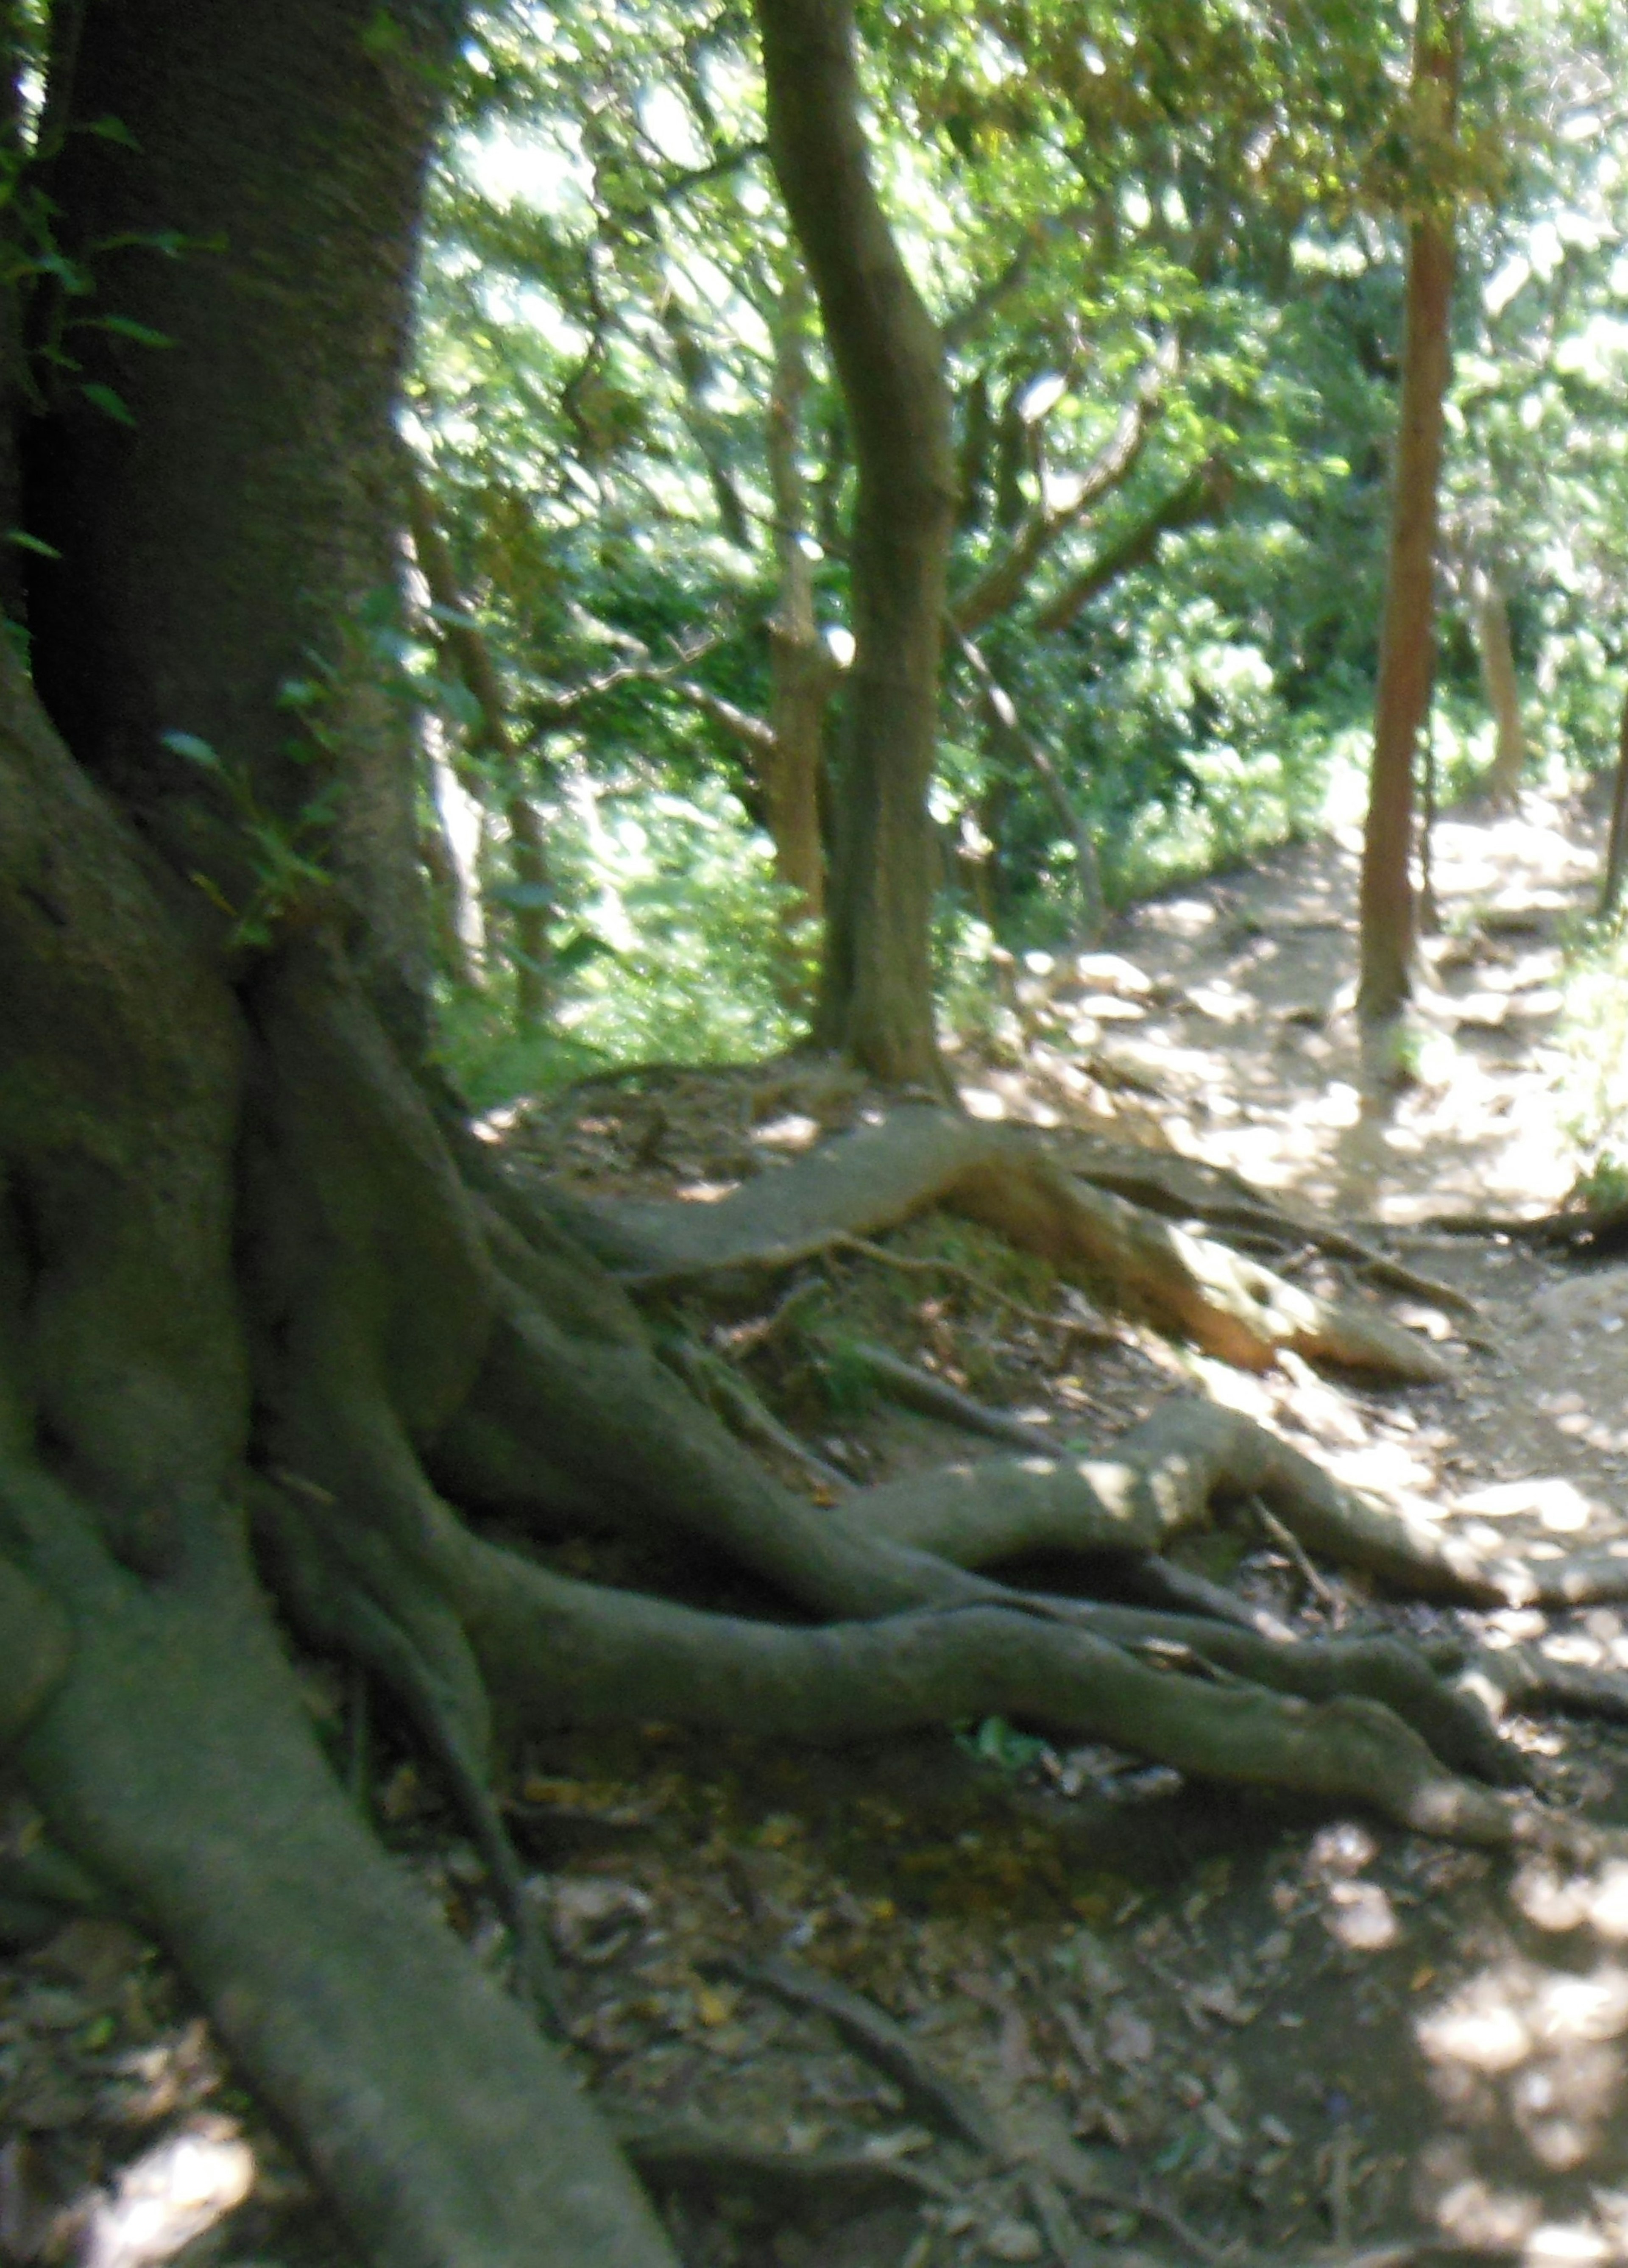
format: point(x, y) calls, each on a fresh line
point(876, 988)
point(1617, 846)
point(803, 672)
point(463, 645)
point(1490, 614)
point(226, 567)
point(1408, 644)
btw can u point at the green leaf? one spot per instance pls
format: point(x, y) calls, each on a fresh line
point(195, 750)
point(522, 897)
point(27, 543)
point(111, 404)
point(126, 326)
point(111, 129)
point(577, 951)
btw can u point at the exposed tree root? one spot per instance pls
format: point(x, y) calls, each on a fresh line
point(1185, 1189)
point(920, 1157)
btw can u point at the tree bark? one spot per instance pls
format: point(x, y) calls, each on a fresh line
point(223, 554)
point(1617, 846)
point(1407, 649)
point(803, 675)
point(467, 651)
point(1490, 612)
point(876, 985)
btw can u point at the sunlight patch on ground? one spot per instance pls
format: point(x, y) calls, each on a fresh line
point(169, 2196)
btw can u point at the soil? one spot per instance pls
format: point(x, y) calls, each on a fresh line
point(1197, 2026)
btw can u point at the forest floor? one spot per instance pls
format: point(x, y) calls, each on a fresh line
point(1195, 2025)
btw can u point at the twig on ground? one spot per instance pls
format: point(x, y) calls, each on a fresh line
point(870, 2034)
point(1062, 2232)
point(1093, 2191)
point(751, 1338)
point(688, 2156)
point(935, 1397)
point(1160, 1583)
point(710, 1377)
point(1071, 1326)
point(1292, 1549)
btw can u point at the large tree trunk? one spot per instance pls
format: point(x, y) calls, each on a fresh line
point(876, 991)
point(225, 554)
point(1407, 649)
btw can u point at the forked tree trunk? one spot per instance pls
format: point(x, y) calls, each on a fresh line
point(1407, 646)
point(1495, 650)
point(876, 987)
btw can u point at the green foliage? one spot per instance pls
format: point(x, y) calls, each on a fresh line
point(670, 954)
point(1594, 1037)
point(282, 857)
point(1206, 198)
point(997, 1742)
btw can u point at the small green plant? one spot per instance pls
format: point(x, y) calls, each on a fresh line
point(284, 868)
point(996, 1742)
point(1593, 1038)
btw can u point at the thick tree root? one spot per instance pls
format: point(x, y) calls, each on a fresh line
point(35, 1647)
point(558, 1651)
point(1185, 1189)
point(176, 1759)
point(920, 1157)
point(1166, 1475)
point(236, 1241)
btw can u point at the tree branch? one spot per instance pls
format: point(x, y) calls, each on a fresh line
point(1203, 496)
point(1003, 583)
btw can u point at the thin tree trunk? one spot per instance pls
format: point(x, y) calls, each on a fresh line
point(803, 674)
point(1616, 849)
point(467, 651)
point(453, 867)
point(1490, 615)
point(876, 989)
point(1408, 643)
point(999, 709)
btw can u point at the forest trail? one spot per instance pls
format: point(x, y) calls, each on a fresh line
point(1243, 1049)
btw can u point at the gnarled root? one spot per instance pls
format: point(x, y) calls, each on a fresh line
point(920, 1157)
point(557, 1650)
